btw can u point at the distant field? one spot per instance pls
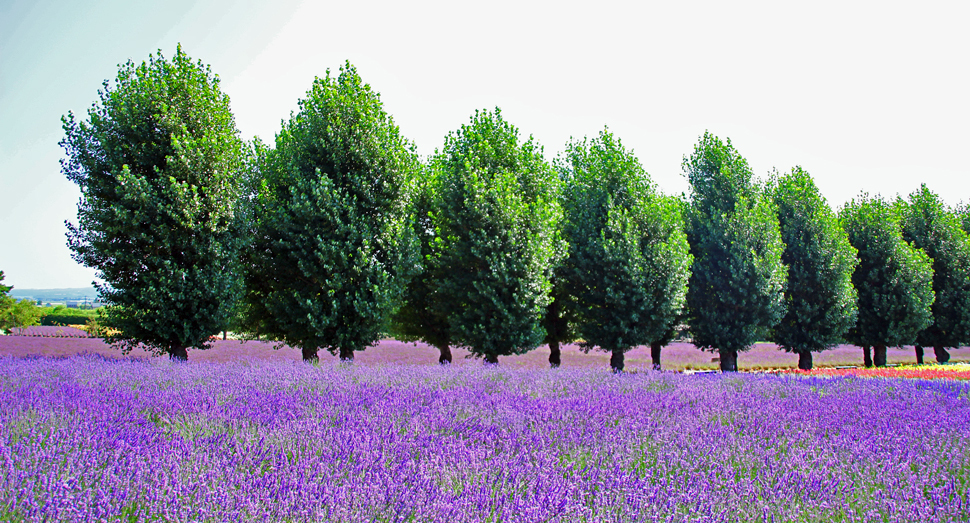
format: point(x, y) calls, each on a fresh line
point(678, 356)
point(55, 295)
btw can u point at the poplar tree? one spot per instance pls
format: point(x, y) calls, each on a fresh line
point(332, 245)
point(736, 290)
point(498, 235)
point(894, 279)
point(629, 260)
point(927, 224)
point(158, 161)
point(820, 299)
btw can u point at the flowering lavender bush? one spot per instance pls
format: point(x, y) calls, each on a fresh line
point(89, 438)
point(676, 356)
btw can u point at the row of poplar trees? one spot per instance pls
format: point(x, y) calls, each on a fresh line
point(338, 235)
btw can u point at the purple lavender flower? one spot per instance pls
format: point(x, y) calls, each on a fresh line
point(95, 438)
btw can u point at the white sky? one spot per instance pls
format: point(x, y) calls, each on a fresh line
point(864, 95)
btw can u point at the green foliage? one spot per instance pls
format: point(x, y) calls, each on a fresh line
point(894, 279)
point(421, 317)
point(22, 313)
point(962, 212)
point(629, 260)
point(65, 319)
point(6, 301)
point(928, 225)
point(719, 177)
point(332, 243)
point(14, 313)
point(157, 161)
point(64, 310)
point(820, 299)
point(62, 315)
point(736, 290)
point(498, 237)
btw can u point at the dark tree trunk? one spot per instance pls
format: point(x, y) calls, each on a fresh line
point(346, 355)
point(491, 359)
point(616, 360)
point(879, 355)
point(555, 355)
point(179, 354)
point(805, 360)
point(942, 356)
point(444, 357)
point(655, 349)
point(866, 357)
point(554, 326)
point(919, 354)
point(310, 355)
point(729, 360)
point(223, 335)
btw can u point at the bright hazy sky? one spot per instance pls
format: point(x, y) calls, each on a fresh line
point(867, 96)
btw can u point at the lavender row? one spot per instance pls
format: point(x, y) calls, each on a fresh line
point(90, 438)
point(677, 356)
point(50, 331)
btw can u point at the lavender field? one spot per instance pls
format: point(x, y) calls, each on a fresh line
point(90, 438)
point(676, 356)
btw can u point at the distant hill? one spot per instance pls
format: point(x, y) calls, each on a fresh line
point(55, 295)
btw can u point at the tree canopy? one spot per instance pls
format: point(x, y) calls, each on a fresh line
point(629, 260)
point(337, 235)
point(158, 162)
point(5, 299)
point(962, 212)
point(737, 284)
point(929, 225)
point(498, 234)
point(14, 313)
point(332, 246)
point(820, 300)
point(894, 279)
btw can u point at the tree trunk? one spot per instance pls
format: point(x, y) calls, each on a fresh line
point(616, 360)
point(555, 355)
point(444, 352)
point(310, 355)
point(866, 356)
point(729, 360)
point(879, 355)
point(179, 354)
point(491, 359)
point(942, 356)
point(346, 355)
point(223, 335)
point(919, 354)
point(805, 360)
point(655, 349)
